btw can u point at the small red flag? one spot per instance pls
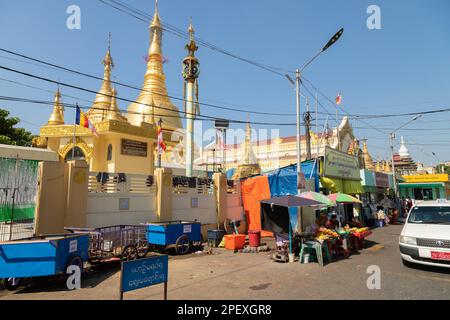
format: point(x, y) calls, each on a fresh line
point(338, 99)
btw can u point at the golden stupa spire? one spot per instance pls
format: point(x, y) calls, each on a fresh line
point(387, 167)
point(156, 22)
point(114, 112)
point(154, 89)
point(102, 103)
point(368, 161)
point(378, 167)
point(57, 116)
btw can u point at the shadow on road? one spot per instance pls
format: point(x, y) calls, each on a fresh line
point(428, 269)
point(91, 278)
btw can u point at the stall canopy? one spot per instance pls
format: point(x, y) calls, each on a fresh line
point(343, 198)
point(277, 214)
point(284, 181)
point(281, 182)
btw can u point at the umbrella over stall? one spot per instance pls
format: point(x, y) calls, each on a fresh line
point(278, 214)
point(318, 197)
point(343, 198)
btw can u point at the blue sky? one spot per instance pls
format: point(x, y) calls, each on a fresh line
point(401, 68)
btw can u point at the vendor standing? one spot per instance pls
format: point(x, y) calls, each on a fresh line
point(332, 223)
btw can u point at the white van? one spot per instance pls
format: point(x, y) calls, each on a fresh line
point(425, 238)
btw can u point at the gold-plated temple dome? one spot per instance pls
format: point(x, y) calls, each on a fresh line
point(154, 90)
point(102, 103)
point(57, 116)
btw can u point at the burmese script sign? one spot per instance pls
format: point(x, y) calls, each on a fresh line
point(134, 148)
point(382, 180)
point(142, 273)
point(340, 165)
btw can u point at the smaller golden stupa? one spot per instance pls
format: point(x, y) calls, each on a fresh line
point(249, 166)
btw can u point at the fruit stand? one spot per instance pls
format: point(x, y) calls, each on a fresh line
point(344, 241)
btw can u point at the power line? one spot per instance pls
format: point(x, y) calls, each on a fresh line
point(140, 89)
point(183, 34)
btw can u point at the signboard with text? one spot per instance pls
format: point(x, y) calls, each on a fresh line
point(142, 273)
point(427, 178)
point(340, 165)
point(134, 148)
point(381, 180)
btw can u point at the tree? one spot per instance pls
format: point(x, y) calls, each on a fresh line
point(11, 135)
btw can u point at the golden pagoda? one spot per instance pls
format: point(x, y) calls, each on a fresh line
point(378, 166)
point(119, 143)
point(387, 167)
point(368, 161)
point(102, 103)
point(57, 116)
point(249, 166)
point(154, 90)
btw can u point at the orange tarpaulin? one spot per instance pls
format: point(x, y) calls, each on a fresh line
point(253, 191)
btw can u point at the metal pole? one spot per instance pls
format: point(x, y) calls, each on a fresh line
point(14, 190)
point(392, 137)
point(337, 129)
point(74, 139)
point(165, 291)
point(307, 118)
point(225, 150)
point(159, 148)
point(299, 147)
point(190, 128)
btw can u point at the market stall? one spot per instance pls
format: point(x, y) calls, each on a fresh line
point(280, 215)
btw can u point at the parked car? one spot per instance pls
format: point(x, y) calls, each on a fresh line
point(425, 238)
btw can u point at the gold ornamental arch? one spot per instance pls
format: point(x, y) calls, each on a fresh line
point(79, 143)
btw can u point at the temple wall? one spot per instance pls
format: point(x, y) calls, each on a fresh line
point(111, 202)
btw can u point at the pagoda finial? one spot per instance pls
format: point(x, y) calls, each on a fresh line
point(156, 22)
point(102, 102)
point(191, 30)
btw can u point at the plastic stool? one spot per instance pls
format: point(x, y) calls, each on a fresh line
point(317, 248)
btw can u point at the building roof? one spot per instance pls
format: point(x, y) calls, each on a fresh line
point(25, 153)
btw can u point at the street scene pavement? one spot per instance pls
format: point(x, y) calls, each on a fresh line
point(227, 275)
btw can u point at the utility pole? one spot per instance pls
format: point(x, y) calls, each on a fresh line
point(300, 179)
point(331, 42)
point(392, 137)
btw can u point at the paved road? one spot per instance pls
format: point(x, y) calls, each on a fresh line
point(225, 275)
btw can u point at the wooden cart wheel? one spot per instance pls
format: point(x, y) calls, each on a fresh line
point(142, 249)
point(182, 245)
point(12, 284)
point(129, 253)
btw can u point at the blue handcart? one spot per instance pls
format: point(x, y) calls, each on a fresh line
point(40, 256)
point(183, 235)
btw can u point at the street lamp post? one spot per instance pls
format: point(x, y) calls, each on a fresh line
point(391, 139)
point(298, 79)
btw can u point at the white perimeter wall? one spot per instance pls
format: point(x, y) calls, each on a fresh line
point(205, 213)
point(104, 210)
point(103, 205)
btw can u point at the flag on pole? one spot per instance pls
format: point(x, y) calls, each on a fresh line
point(83, 120)
point(161, 145)
point(338, 99)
